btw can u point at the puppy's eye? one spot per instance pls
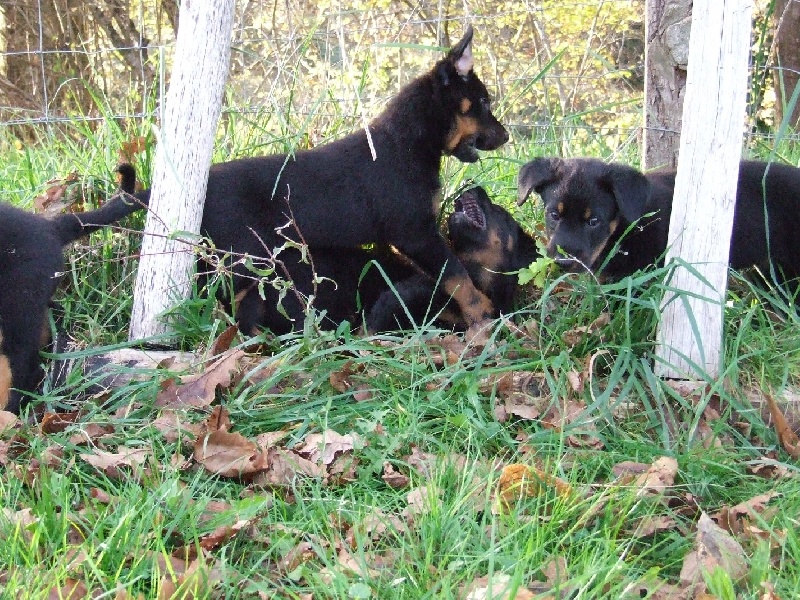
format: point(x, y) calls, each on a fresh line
point(555, 215)
point(485, 105)
point(593, 221)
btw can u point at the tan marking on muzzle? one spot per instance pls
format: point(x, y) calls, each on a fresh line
point(464, 127)
point(597, 251)
point(612, 227)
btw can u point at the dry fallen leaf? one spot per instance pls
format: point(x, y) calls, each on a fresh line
point(341, 379)
point(173, 426)
point(650, 525)
point(769, 591)
point(658, 478)
point(375, 525)
point(54, 200)
point(556, 573)
point(19, 519)
point(628, 469)
point(714, 547)
point(8, 421)
point(735, 519)
point(519, 481)
point(575, 336)
point(451, 348)
point(223, 341)
point(571, 416)
point(322, 448)
point(301, 553)
point(58, 422)
point(498, 586)
point(520, 393)
point(110, 462)
point(349, 564)
point(195, 580)
point(478, 334)
point(284, 467)
point(72, 589)
point(786, 436)
point(229, 454)
point(222, 534)
point(418, 503)
point(197, 391)
point(393, 478)
point(129, 150)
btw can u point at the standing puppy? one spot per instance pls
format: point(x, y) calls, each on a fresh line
point(31, 258)
point(590, 205)
point(379, 186)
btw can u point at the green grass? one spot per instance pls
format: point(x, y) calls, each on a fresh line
point(113, 529)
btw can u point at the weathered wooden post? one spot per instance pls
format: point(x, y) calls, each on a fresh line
point(183, 156)
point(690, 333)
point(667, 26)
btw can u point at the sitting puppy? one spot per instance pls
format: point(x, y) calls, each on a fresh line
point(590, 206)
point(31, 258)
point(489, 243)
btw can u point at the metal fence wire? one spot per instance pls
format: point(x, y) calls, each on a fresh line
point(563, 69)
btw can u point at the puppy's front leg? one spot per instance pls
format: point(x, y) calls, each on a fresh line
point(432, 255)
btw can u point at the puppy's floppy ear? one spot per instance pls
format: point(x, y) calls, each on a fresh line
point(630, 188)
point(535, 175)
point(460, 55)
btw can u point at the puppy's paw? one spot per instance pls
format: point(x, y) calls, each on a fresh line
point(479, 332)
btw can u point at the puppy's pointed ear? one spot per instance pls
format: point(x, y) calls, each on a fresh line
point(533, 176)
point(630, 188)
point(460, 55)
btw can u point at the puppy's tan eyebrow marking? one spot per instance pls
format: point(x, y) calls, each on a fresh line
point(587, 213)
point(560, 207)
point(466, 104)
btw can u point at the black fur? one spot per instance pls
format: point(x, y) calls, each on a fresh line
point(489, 243)
point(341, 196)
point(589, 205)
point(31, 259)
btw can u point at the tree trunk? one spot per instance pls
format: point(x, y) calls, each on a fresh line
point(787, 75)
point(690, 333)
point(183, 156)
point(668, 23)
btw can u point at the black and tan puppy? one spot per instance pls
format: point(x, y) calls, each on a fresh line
point(379, 186)
point(31, 259)
point(489, 243)
point(590, 205)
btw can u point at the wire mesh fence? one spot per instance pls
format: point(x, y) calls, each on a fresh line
point(558, 70)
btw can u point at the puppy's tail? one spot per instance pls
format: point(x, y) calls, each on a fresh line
point(72, 226)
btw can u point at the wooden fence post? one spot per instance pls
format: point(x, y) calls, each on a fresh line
point(667, 26)
point(183, 156)
point(690, 333)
